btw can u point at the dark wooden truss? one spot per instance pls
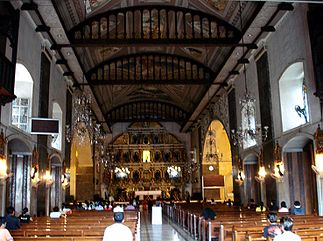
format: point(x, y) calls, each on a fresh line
point(154, 24)
point(150, 68)
point(147, 111)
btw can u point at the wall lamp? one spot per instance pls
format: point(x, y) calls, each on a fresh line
point(318, 167)
point(241, 176)
point(48, 178)
point(279, 168)
point(262, 171)
point(3, 158)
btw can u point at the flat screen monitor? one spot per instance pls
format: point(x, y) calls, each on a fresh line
point(44, 126)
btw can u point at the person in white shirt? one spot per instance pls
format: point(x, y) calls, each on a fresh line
point(283, 207)
point(287, 225)
point(56, 213)
point(118, 231)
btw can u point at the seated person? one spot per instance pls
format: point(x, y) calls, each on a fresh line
point(13, 222)
point(287, 225)
point(261, 207)
point(273, 229)
point(208, 214)
point(118, 231)
point(283, 207)
point(297, 209)
point(130, 207)
point(66, 210)
point(56, 213)
point(24, 216)
point(272, 206)
point(252, 204)
point(4, 233)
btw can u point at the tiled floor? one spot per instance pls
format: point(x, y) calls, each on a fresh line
point(167, 231)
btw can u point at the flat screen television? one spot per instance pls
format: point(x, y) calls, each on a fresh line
point(44, 126)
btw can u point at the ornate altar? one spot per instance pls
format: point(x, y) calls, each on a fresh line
point(145, 157)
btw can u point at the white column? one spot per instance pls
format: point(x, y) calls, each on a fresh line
point(319, 181)
point(47, 200)
point(3, 197)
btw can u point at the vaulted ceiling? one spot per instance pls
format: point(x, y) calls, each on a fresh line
point(150, 60)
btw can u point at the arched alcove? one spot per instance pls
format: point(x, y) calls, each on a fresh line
point(293, 97)
point(251, 186)
point(217, 161)
point(21, 106)
point(299, 180)
point(81, 168)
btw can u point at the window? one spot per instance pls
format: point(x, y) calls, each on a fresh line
point(20, 113)
point(293, 97)
point(57, 139)
point(21, 106)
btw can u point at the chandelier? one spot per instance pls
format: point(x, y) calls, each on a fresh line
point(212, 154)
point(250, 132)
point(121, 172)
point(250, 129)
point(82, 120)
point(174, 171)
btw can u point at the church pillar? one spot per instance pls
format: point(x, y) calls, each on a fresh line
point(316, 35)
point(3, 188)
point(47, 201)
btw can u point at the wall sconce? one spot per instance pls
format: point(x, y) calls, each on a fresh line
point(3, 159)
point(65, 182)
point(318, 167)
point(279, 168)
point(35, 180)
point(34, 171)
point(3, 168)
point(262, 171)
point(241, 176)
point(48, 178)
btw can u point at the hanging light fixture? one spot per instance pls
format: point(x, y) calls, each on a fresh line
point(212, 155)
point(262, 170)
point(82, 117)
point(250, 129)
point(279, 168)
point(241, 176)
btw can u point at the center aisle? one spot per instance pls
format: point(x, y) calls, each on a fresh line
point(167, 231)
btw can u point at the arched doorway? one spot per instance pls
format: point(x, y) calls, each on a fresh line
point(299, 180)
point(55, 189)
point(18, 185)
point(251, 186)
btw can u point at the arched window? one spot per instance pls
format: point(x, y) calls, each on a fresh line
point(57, 114)
point(293, 97)
point(21, 106)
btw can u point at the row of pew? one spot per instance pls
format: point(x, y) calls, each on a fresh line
point(236, 224)
point(79, 226)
